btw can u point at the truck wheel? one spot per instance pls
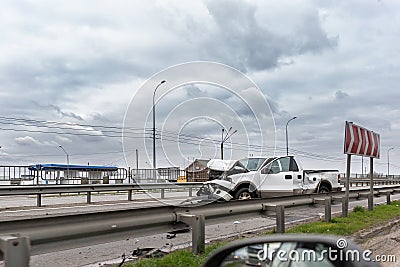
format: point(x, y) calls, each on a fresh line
point(323, 189)
point(243, 194)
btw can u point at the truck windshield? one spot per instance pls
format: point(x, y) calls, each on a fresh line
point(252, 164)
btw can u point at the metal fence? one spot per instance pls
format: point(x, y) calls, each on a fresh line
point(157, 176)
point(81, 176)
point(22, 175)
point(15, 174)
point(163, 175)
point(366, 176)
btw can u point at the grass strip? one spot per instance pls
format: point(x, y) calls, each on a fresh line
point(359, 219)
point(178, 258)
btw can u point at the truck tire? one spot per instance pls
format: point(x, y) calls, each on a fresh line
point(243, 194)
point(323, 189)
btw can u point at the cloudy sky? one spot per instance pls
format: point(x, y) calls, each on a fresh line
point(71, 71)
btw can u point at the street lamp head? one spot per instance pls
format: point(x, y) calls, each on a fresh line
point(163, 81)
point(290, 120)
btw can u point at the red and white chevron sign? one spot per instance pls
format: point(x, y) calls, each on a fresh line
point(360, 141)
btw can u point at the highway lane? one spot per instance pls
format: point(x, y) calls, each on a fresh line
point(24, 206)
point(20, 207)
point(18, 202)
point(103, 252)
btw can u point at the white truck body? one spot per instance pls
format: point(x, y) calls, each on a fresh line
point(274, 177)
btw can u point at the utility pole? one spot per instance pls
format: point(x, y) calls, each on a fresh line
point(137, 159)
point(388, 163)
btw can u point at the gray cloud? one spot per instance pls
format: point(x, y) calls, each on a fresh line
point(242, 41)
point(65, 114)
point(341, 95)
point(26, 141)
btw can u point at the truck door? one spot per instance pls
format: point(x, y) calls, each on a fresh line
point(276, 178)
point(297, 174)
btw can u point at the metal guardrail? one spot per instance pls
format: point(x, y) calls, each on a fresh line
point(89, 189)
point(44, 234)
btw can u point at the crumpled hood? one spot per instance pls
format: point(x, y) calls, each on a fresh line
point(221, 165)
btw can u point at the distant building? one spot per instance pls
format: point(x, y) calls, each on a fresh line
point(197, 171)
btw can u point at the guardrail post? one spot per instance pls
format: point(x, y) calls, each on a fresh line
point(14, 250)
point(39, 200)
point(197, 222)
point(370, 202)
point(130, 194)
point(328, 207)
point(388, 198)
point(280, 216)
point(88, 197)
point(190, 192)
point(280, 219)
point(328, 210)
point(162, 193)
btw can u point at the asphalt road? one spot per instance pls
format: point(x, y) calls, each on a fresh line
point(102, 254)
point(98, 255)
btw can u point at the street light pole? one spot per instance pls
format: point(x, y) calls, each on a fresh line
point(388, 161)
point(287, 139)
point(222, 144)
point(60, 146)
point(154, 124)
point(224, 138)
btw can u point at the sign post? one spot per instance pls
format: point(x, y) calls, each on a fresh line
point(345, 209)
point(361, 142)
point(371, 184)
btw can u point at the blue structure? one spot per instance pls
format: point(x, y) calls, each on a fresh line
point(65, 167)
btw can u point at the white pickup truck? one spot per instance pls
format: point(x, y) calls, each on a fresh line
point(269, 177)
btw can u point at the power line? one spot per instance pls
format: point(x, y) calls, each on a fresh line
point(136, 133)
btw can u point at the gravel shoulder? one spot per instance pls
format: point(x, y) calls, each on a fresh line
point(383, 241)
